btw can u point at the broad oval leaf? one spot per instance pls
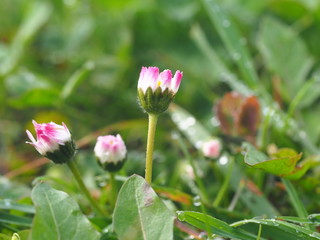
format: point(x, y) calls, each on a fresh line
point(140, 214)
point(275, 42)
point(58, 216)
point(283, 163)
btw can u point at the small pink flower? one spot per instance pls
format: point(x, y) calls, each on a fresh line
point(49, 137)
point(110, 151)
point(211, 148)
point(150, 77)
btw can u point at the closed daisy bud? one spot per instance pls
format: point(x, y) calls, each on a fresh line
point(156, 90)
point(211, 148)
point(53, 141)
point(110, 152)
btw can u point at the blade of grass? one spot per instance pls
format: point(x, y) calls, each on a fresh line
point(7, 204)
point(231, 37)
point(311, 219)
point(13, 219)
point(76, 78)
point(223, 189)
point(220, 69)
point(295, 200)
point(37, 15)
point(298, 231)
point(301, 94)
point(217, 226)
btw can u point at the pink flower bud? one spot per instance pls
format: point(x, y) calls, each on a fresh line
point(111, 152)
point(53, 141)
point(150, 77)
point(211, 148)
point(157, 89)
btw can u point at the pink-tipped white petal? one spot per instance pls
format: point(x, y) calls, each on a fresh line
point(176, 80)
point(110, 149)
point(148, 78)
point(49, 136)
point(33, 140)
point(164, 79)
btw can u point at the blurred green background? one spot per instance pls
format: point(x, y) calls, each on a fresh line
point(79, 62)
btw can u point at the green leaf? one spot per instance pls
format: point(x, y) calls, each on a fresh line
point(219, 68)
point(24, 234)
point(36, 98)
point(4, 237)
point(311, 219)
point(76, 79)
point(37, 15)
point(293, 231)
point(221, 228)
point(140, 213)
point(58, 216)
point(13, 219)
point(12, 190)
point(7, 204)
point(217, 226)
point(230, 35)
point(25, 80)
point(276, 42)
point(283, 163)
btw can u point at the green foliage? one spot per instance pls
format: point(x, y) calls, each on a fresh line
point(280, 45)
point(78, 62)
point(140, 213)
point(221, 228)
point(58, 216)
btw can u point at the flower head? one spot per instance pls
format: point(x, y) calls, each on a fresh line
point(211, 148)
point(111, 152)
point(53, 141)
point(157, 89)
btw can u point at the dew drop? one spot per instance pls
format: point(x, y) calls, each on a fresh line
point(223, 160)
point(226, 23)
point(198, 144)
point(197, 201)
point(192, 131)
point(236, 56)
point(302, 134)
point(186, 123)
point(102, 184)
point(181, 216)
point(176, 117)
point(214, 122)
point(7, 202)
point(174, 135)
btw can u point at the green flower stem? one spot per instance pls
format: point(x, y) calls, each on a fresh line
point(113, 186)
point(224, 187)
point(153, 118)
point(295, 200)
point(73, 168)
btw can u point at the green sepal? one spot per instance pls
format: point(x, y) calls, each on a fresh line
point(110, 166)
point(64, 154)
point(155, 102)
